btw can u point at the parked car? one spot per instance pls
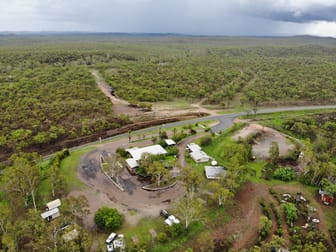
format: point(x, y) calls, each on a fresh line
point(171, 220)
point(164, 213)
point(110, 238)
point(109, 247)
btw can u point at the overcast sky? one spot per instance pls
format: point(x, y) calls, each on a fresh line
point(204, 17)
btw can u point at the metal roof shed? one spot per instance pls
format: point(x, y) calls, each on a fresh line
point(214, 172)
point(51, 214)
point(192, 147)
point(137, 153)
point(199, 156)
point(132, 163)
point(53, 204)
point(170, 142)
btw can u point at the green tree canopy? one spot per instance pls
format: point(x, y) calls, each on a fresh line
point(108, 218)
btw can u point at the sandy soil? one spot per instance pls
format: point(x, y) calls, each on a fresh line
point(263, 144)
point(120, 106)
point(160, 110)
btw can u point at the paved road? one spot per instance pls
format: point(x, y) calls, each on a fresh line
point(225, 121)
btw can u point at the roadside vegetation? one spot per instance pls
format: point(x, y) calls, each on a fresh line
point(57, 101)
point(56, 98)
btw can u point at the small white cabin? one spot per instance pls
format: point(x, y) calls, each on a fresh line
point(51, 214)
point(170, 142)
point(53, 204)
point(199, 156)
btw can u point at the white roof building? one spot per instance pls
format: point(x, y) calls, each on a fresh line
point(136, 152)
point(192, 147)
point(170, 142)
point(51, 214)
point(53, 204)
point(214, 172)
point(132, 163)
point(199, 156)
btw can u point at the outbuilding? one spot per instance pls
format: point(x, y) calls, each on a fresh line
point(53, 204)
point(192, 147)
point(326, 198)
point(199, 156)
point(132, 164)
point(50, 214)
point(137, 153)
point(214, 172)
point(170, 142)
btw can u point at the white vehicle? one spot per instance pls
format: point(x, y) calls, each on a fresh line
point(172, 220)
point(109, 247)
point(110, 238)
point(286, 195)
point(119, 243)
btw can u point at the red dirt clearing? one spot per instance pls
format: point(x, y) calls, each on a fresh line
point(245, 215)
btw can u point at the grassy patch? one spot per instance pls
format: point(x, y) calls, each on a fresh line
point(141, 230)
point(224, 140)
point(68, 172)
point(330, 213)
point(199, 127)
point(69, 168)
point(173, 105)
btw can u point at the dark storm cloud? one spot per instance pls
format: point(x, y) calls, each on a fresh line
point(303, 17)
point(217, 17)
point(292, 11)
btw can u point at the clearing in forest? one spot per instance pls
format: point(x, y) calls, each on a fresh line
point(264, 137)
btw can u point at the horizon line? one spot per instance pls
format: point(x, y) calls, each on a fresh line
point(51, 32)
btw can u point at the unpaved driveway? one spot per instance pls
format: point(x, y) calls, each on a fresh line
point(135, 203)
point(263, 143)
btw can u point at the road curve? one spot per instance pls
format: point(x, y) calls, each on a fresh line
point(225, 121)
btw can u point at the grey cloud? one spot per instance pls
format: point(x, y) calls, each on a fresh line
point(211, 17)
point(287, 12)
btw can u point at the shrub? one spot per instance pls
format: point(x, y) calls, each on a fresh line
point(290, 212)
point(108, 218)
point(122, 152)
point(59, 156)
point(266, 208)
point(163, 143)
point(163, 135)
point(205, 141)
point(178, 137)
point(172, 151)
point(279, 231)
point(162, 237)
point(277, 215)
point(267, 171)
point(192, 132)
point(284, 174)
point(175, 230)
point(265, 227)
